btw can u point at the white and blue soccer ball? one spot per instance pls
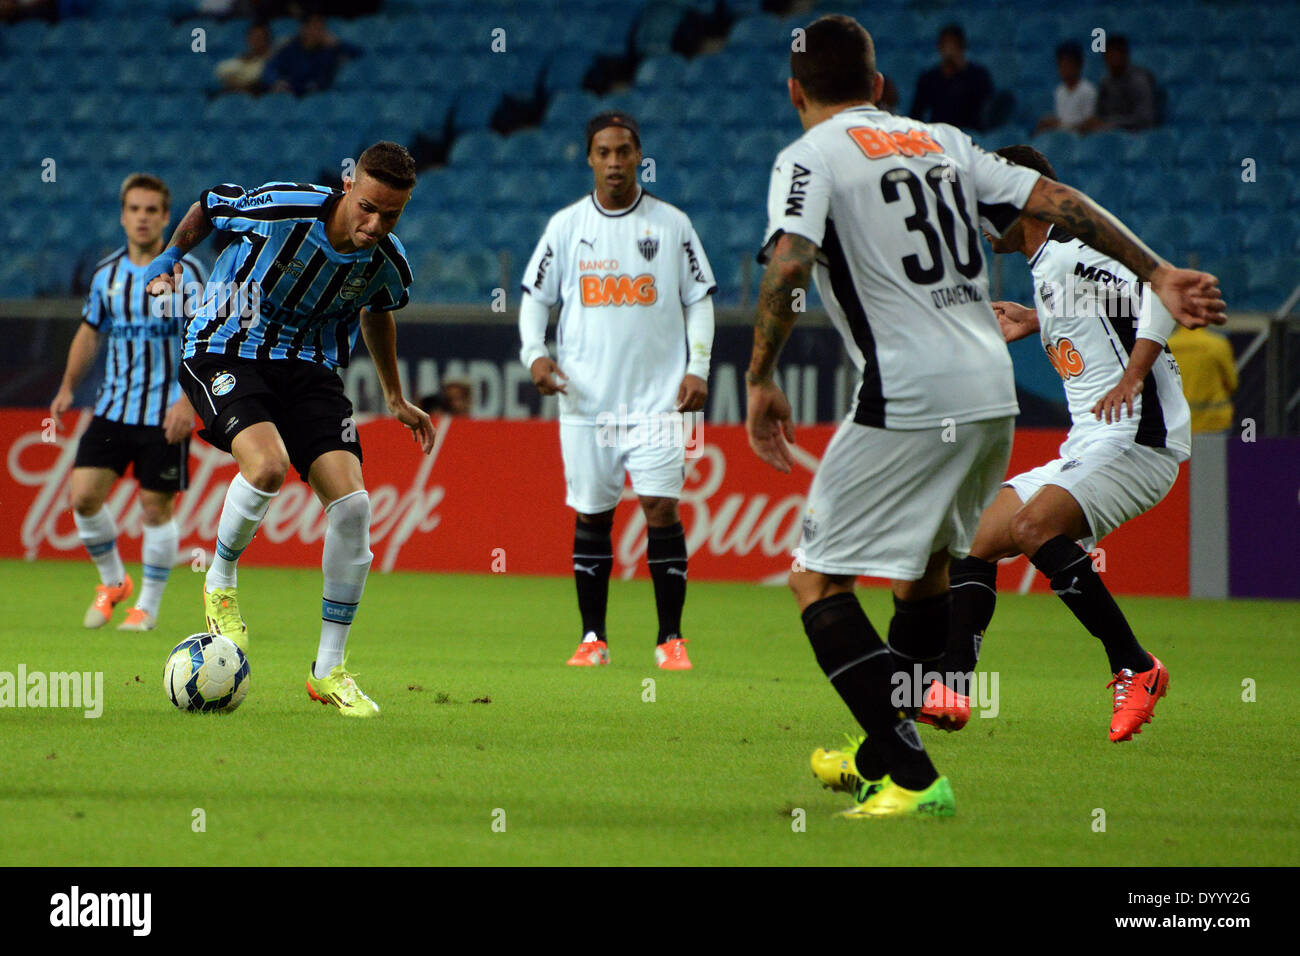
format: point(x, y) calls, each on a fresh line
point(206, 672)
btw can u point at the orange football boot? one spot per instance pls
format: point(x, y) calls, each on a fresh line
point(107, 597)
point(1135, 699)
point(944, 708)
point(671, 655)
point(590, 654)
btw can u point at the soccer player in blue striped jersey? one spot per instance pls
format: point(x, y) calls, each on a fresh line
point(141, 417)
point(310, 267)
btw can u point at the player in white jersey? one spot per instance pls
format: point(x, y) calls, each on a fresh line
point(1106, 337)
point(881, 211)
point(634, 340)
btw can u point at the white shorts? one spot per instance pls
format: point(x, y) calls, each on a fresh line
point(883, 501)
point(1113, 482)
point(596, 461)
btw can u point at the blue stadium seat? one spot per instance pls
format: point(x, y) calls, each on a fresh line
point(480, 148)
point(762, 32)
point(1110, 187)
point(1241, 64)
point(566, 68)
point(1151, 146)
point(1099, 149)
point(1271, 281)
point(1195, 104)
point(1061, 148)
point(1215, 236)
point(665, 71)
point(1206, 147)
point(1252, 105)
point(571, 107)
point(473, 109)
point(654, 29)
point(1270, 235)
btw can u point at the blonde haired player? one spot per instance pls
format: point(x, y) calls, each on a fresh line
point(634, 340)
point(141, 417)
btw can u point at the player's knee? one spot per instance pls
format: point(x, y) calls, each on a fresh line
point(156, 510)
point(268, 473)
point(1030, 530)
point(660, 512)
point(808, 587)
point(602, 519)
point(350, 516)
point(86, 503)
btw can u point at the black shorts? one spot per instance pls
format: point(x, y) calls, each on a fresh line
point(304, 401)
point(158, 466)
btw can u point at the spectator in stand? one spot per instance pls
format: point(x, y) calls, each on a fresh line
point(1209, 377)
point(956, 91)
point(11, 11)
point(243, 73)
point(1076, 98)
point(308, 62)
point(1127, 98)
point(455, 398)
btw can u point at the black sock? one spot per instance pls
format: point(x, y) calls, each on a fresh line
point(861, 670)
point(918, 634)
point(666, 555)
point(593, 558)
point(973, 584)
point(1069, 569)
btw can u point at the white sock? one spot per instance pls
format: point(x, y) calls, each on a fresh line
point(159, 555)
point(345, 562)
point(241, 514)
point(99, 534)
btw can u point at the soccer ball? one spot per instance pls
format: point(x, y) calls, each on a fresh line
point(206, 672)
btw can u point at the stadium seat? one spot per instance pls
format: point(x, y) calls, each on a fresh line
point(473, 109)
point(1271, 281)
point(1213, 237)
point(665, 71)
point(479, 148)
point(1195, 104)
point(1269, 235)
point(1151, 146)
point(655, 27)
point(1061, 147)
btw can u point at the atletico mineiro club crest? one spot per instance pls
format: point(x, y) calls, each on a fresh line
point(648, 247)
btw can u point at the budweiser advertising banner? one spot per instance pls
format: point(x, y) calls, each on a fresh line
point(491, 499)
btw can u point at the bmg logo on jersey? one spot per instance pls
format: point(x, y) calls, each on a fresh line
point(620, 289)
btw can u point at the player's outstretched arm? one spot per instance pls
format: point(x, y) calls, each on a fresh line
point(81, 356)
point(768, 419)
point(163, 274)
point(380, 332)
point(1192, 297)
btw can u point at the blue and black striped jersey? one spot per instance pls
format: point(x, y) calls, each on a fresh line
point(306, 296)
point(144, 349)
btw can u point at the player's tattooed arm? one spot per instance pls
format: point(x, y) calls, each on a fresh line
point(1086, 220)
point(1192, 298)
point(788, 270)
point(193, 229)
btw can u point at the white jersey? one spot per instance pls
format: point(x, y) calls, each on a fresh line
point(894, 206)
point(624, 279)
point(1091, 311)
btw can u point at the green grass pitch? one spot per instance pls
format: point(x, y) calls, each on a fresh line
point(482, 723)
